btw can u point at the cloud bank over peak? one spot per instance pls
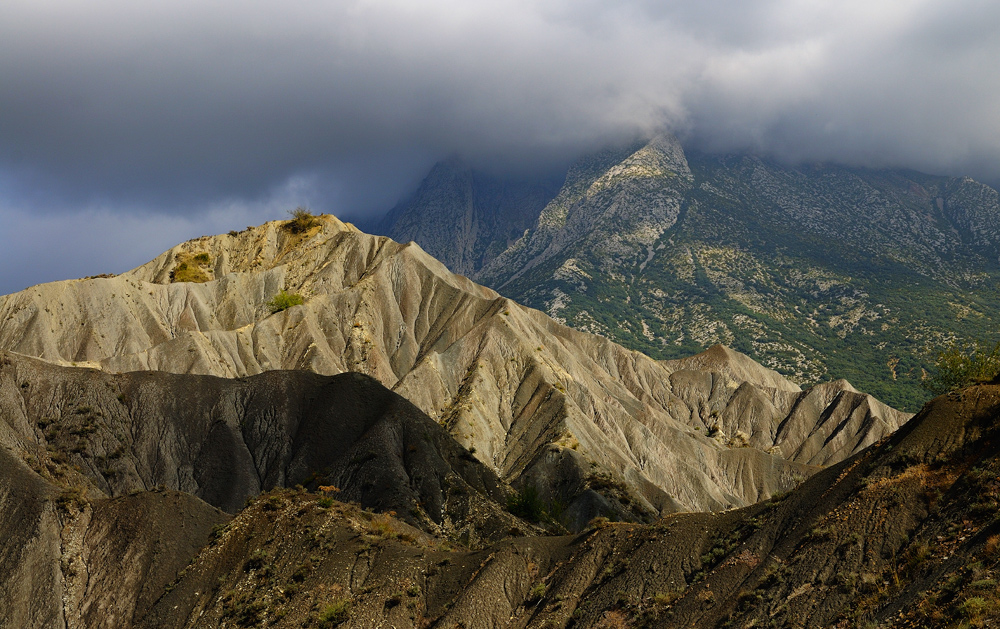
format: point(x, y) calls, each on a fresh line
point(173, 107)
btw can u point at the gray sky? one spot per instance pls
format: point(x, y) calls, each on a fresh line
point(126, 127)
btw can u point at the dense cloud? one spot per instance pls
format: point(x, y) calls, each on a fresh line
point(179, 108)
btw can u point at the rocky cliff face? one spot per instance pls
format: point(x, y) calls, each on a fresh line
point(818, 272)
point(540, 404)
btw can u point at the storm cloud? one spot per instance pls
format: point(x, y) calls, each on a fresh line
point(187, 113)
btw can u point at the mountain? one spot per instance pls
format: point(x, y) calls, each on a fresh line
point(903, 534)
point(818, 271)
point(595, 428)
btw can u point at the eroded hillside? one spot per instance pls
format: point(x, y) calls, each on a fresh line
point(110, 484)
point(537, 402)
point(904, 534)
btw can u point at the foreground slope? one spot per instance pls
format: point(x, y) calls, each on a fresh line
point(904, 534)
point(539, 403)
point(817, 271)
point(110, 484)
point(226, 441)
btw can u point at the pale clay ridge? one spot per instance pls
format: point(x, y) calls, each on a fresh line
point(533, 397)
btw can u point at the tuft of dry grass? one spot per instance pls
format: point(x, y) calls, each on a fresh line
point(192, 267)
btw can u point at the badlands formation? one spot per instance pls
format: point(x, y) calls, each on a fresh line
point(594, 427)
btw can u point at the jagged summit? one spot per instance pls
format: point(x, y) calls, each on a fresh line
point(599, 427)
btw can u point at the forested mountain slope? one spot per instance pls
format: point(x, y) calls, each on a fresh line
point(818, 271)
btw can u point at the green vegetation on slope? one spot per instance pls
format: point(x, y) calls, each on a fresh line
point(284, 300)
point(818, 273)
point(958, 367)
point(302, 220)
point(192, 267)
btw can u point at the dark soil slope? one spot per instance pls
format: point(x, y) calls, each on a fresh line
point(905, 534)
point(69, 563)
point(226, 441)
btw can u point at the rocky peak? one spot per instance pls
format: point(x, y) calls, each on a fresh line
point(615, 210)
point(467, 217)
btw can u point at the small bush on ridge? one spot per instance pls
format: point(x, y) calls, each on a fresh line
point(284, 301)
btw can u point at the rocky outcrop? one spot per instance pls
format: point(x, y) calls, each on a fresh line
point(535, 400)
point(467, 217)
point(614, 207)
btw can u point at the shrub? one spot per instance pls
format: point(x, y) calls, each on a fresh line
point(975, 608)
point(191, 267)
point(302, 220)
point(527, 504)
point(614, 619)
point(217, 531)
point(961, 366)
point(71, 497)
point(247, 612)
point(381, 526)
point(537, 592)
point(664, 599)
point(302, 571)
point(284, 301)
point(256, 560)
point(335, 613)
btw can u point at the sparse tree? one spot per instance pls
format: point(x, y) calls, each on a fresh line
point(960, 366)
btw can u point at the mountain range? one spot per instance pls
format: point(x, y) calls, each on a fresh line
point(300, 424)
point(819, 271)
